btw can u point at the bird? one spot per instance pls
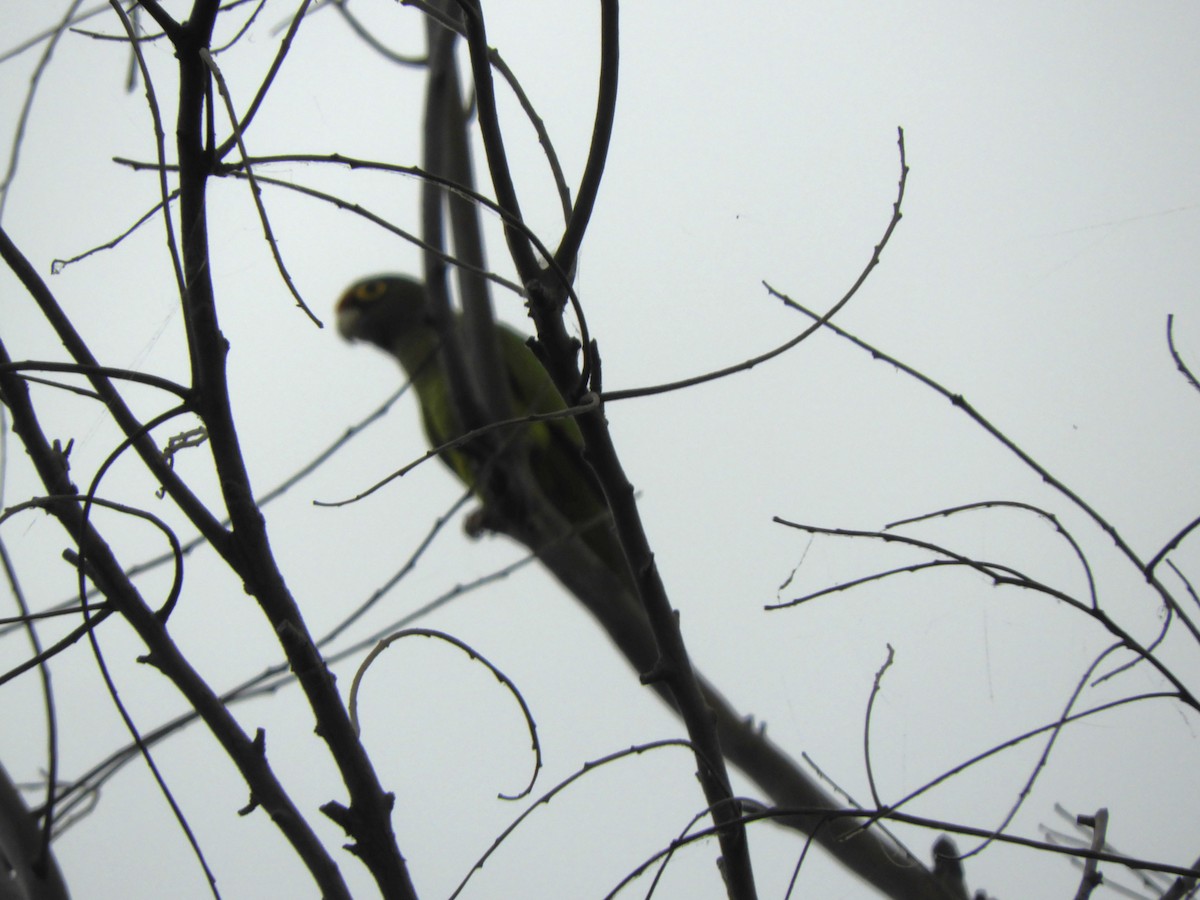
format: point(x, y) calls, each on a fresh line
point(392, 313)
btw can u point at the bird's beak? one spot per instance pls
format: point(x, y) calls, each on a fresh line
point(348, 317)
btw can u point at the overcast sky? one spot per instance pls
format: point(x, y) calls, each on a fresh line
point(1050, 224)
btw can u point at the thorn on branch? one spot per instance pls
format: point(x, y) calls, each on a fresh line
point(662, 670)
point(339, 814)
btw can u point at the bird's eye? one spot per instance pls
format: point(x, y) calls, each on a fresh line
point(370, 290)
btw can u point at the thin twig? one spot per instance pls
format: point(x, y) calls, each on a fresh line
point(822, 319)
point(255, 192)
point(1103, 523)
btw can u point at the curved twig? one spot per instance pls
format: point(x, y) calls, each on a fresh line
point(497, 672)
point(1015, 504)
point(544, 799)
point(822, 319)
point(961, 403)
point(1005, 575)
point(876, 687)
point(1179, 363)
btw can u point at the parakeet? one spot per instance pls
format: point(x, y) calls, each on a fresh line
point(392, 312)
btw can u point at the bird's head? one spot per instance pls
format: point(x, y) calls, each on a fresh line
point(382, 310)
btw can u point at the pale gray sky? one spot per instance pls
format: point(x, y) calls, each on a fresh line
point(1050, 225)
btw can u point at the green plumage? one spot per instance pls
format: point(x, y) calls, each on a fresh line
point(392, 313)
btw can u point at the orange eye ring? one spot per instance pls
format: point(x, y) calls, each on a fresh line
point(369, 290)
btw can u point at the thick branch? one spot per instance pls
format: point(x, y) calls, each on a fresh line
point(368, 819)
point(245, 752)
